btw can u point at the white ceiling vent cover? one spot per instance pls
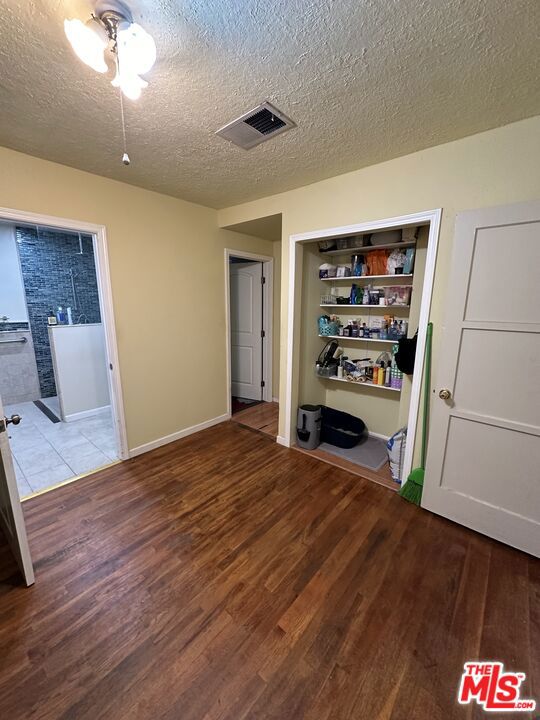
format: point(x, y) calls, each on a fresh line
point(256, 126)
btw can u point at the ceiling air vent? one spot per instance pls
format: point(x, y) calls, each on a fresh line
point(256, 126)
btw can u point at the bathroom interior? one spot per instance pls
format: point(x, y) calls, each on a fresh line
point(53, 364)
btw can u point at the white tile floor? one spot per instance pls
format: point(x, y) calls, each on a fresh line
point(45, 453)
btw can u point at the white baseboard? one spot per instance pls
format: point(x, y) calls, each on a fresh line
point(276, 400)
point(153, 444)
point(86, 413)
point(282, 441)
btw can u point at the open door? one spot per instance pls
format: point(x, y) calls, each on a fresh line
point(11, 515)
point(483, 465)
point(246, 330)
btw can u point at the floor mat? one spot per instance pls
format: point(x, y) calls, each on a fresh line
point(370, 453)
point(243, 403)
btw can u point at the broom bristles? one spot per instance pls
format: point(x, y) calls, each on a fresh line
point(412, 490)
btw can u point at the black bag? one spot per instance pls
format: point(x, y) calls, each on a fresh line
point(341, 429)
point(406, 354)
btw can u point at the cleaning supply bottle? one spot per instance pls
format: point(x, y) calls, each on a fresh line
point(365, 296)
point(375, 375)
point(69, 316)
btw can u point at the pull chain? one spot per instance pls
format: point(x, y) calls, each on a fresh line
point(125, 156)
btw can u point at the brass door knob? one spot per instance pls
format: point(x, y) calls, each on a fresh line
point(445, 394)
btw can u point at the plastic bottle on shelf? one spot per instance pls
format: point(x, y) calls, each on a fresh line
point(375, 375)
point(365, 297)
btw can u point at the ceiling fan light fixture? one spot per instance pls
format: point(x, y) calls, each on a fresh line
point(89, 42)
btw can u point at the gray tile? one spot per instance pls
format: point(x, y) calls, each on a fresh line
point(49, 477)
point(18, 472)
point(24, 488)
point(39, 457)
point(24, 437)
point(53, 403)
point(86, 462)
point(64, 439)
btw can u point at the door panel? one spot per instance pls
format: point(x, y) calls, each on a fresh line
point(246, 326)
point(483, 466)
point(506, 252)
point(11, 515)
point(478, 384)
point(513, 461)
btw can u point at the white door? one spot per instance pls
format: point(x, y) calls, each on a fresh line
point(11, 515)
point(246, 330)
point(483, 465)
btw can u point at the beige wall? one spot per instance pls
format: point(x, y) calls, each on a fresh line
point(167, 271)
point(276, 322)
point(492, 168)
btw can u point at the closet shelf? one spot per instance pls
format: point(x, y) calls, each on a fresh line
point(358, 339)
point(370, 248)
point(366, 384)
point(354, 278)
point(379, 307)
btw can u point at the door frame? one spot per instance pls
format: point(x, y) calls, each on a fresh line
point(268, 294)
point(431, 218)
point(101, 257)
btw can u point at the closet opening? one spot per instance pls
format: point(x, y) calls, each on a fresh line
point(249, 300)
point(358, 295)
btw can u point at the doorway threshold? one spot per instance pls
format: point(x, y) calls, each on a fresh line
point(69, 480)
point(382, 476)
point(263, 417)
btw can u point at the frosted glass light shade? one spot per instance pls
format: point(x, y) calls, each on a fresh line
point(89, 42)
point(136, 49)
point(130, 84)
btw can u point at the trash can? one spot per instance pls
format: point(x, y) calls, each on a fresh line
point(308, 427)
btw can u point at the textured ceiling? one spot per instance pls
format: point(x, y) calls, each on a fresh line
point(365, 80)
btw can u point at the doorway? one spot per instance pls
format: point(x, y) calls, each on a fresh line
point(355, 292)
point(58, 382)
point(249, 308)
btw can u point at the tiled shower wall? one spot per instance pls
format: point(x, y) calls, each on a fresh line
point(46, 261)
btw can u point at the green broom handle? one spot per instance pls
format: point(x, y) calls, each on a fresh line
point(427, 388)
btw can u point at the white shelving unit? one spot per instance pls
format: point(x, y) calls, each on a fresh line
point(402, 310)
point(366, 384)
point(356, 278)
point(358, 339)
point(379, 307)
point(369, 248)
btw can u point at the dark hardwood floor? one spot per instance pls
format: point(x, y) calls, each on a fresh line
point(263, 417)
point(224, 577)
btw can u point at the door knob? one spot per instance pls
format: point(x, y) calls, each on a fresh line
point(445, 394)
point(13, 420)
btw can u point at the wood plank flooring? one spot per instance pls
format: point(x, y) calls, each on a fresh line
point(224, 577)
point(381, 476)
point(263, 417)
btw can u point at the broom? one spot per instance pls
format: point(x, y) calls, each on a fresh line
point(412, 489)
